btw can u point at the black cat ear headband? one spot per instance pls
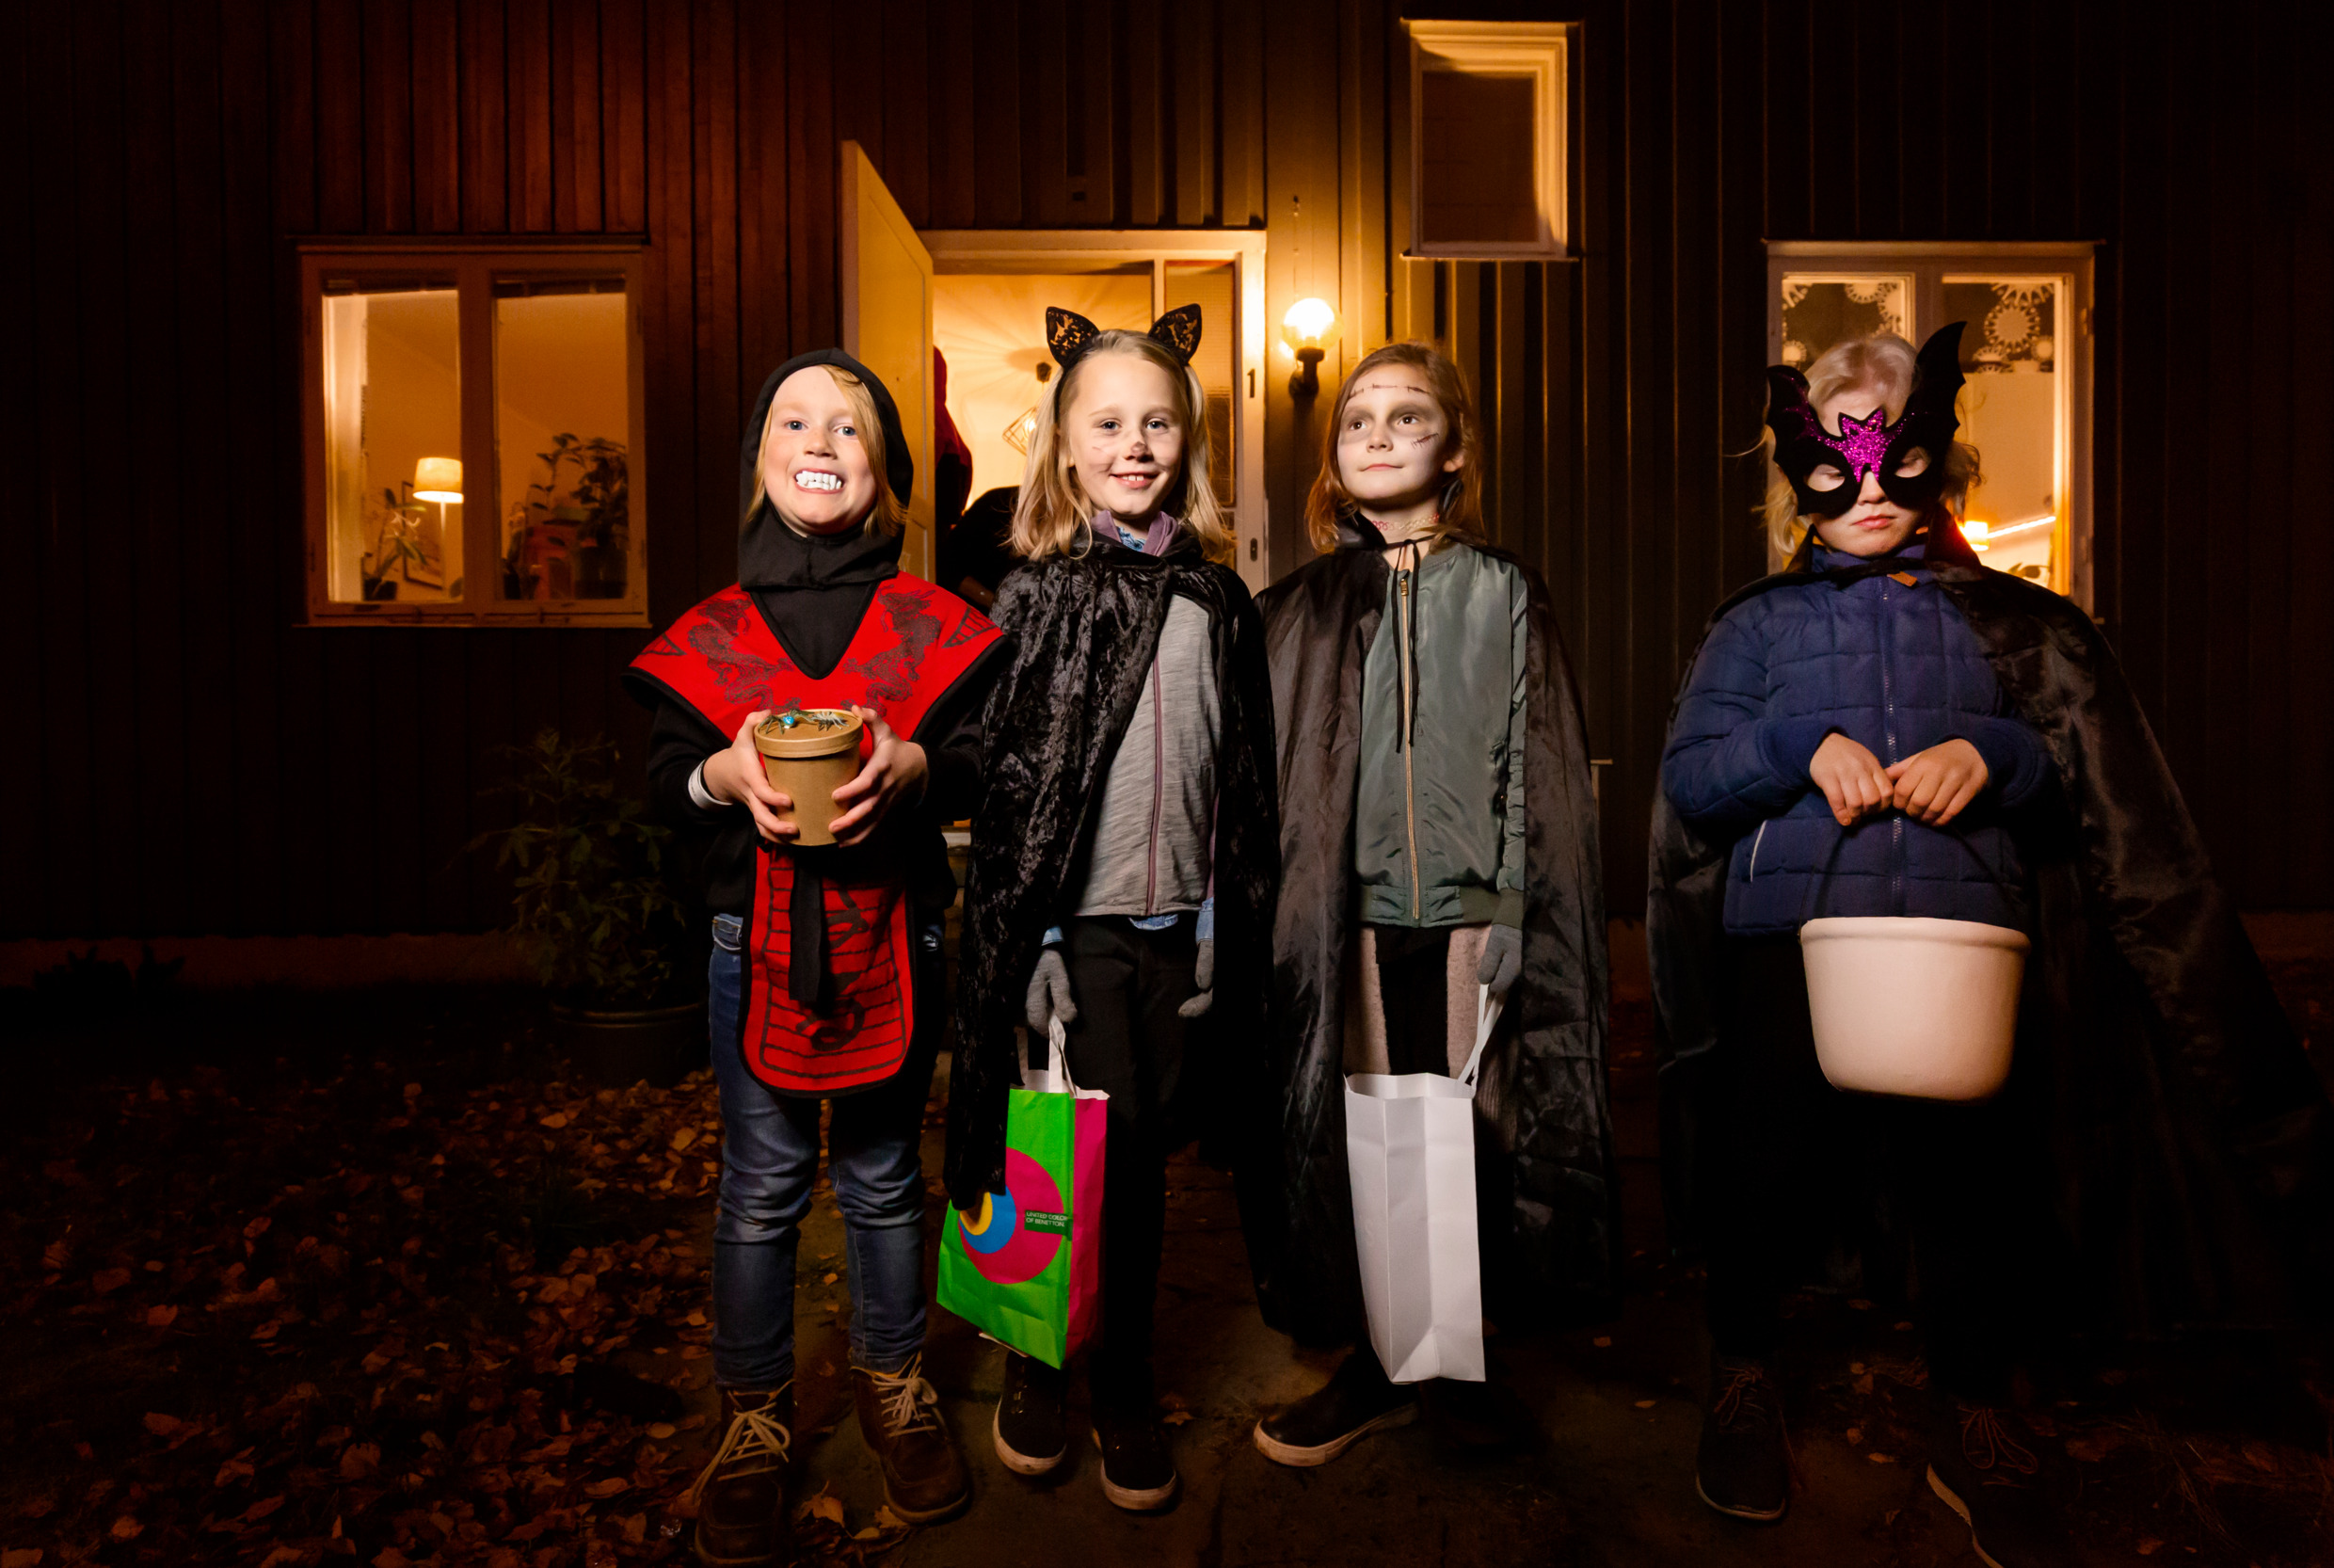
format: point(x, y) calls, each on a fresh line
point(1068, 335)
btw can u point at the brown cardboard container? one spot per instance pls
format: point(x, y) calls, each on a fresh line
point(809, 760)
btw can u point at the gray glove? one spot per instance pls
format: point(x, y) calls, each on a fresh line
point(1502, 960)
point(1204, 976)
point(1050, 992)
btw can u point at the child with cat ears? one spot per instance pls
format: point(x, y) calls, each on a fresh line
point(1125, 854)
point(1439, 831)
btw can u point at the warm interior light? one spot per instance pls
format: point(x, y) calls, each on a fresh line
point(1022, 431)
point(1310, 324)
point(1977, 530)
point(438, 479)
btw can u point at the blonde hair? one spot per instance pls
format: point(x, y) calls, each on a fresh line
point(1887, 363)
point(889, 515)
point(1054, 509)
point(1463, 498)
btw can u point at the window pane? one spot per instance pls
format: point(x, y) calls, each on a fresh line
point(1820, 309)
point(1209, 285)
point(1475, 169)
point(562, 418)
point(393, 401)
point(2009, 352)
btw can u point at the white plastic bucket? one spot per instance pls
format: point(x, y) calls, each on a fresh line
point(1909, 1006)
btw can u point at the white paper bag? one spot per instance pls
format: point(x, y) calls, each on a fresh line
point(1410, 1146)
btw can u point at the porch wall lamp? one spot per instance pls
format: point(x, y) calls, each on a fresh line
point(1309, 328)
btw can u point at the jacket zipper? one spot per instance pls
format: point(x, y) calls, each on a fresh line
point(1888, 733)
point(1758, 838)
point(1158, 790)
point(1409, 802)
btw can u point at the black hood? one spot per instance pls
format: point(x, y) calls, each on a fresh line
point(771, 555)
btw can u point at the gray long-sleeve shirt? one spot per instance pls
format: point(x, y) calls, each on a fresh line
point(1149, 853)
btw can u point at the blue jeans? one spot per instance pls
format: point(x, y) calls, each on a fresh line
point(770, 1159)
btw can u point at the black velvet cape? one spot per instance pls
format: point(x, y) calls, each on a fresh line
point(1545, 1073)
point(2189, 1146)
point(1085, 630)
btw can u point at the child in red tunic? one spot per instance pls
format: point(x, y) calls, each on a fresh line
point(826, 975)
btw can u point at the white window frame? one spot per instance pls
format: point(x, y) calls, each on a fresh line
point(474, 265)
point(980, 250)
point(1539, 50)
point(1928, 265)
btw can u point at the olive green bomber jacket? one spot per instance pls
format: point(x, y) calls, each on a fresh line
point(1438, 827)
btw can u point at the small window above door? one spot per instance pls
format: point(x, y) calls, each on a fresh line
point(1487, 144)
point(2025, 353)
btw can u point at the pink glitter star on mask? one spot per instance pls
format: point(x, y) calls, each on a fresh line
point(1862, 441)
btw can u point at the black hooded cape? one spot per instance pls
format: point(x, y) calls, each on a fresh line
point(2189, 1143)
point(1085, 630)
point(1545, 1073)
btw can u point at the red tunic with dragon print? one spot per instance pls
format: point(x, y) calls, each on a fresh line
point(721, 660)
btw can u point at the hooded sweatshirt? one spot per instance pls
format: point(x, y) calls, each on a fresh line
point(813, 592)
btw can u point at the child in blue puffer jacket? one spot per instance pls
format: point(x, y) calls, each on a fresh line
point(1843, 729)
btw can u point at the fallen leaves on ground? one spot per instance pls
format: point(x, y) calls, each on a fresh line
point(353, 1318)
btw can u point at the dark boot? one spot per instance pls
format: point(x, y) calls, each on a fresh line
point(924, 1476)
point(1743, 1466)
point(740, 1496)
point(1027, 1427)
point(1355, 1401)
point(1982, 1462)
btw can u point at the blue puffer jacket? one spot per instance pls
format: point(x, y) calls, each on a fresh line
point(1894, 668)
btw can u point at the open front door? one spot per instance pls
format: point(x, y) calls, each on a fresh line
point(886, 275)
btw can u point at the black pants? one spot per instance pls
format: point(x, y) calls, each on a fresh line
point(1128, 1042)
point(1795, 1161)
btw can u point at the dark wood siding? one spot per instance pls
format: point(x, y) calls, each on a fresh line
point(202, 764)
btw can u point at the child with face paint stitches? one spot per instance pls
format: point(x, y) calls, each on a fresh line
point(1124, 858)
point(1863, 734)
point(825, 983)
point(1438, 827)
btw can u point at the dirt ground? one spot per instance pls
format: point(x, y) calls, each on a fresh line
point(362, 1278)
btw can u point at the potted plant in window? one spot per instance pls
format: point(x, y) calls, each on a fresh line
point(571, 536)
point(591, 908)
point(395, 546)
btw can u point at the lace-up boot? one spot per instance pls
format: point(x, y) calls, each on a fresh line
point(740, 1496)
point(924, 1476)
point(1982, 1462)
point(1028, 1429)
point(1743, 1466)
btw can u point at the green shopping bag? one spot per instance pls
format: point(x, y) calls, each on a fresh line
point(1026, 1267)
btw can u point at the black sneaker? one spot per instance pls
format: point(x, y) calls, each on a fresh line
point(1027, 1427)
point(1743, 1466)
point(1982, 1463)
point(1355, 1401)
point(1136, 1473)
